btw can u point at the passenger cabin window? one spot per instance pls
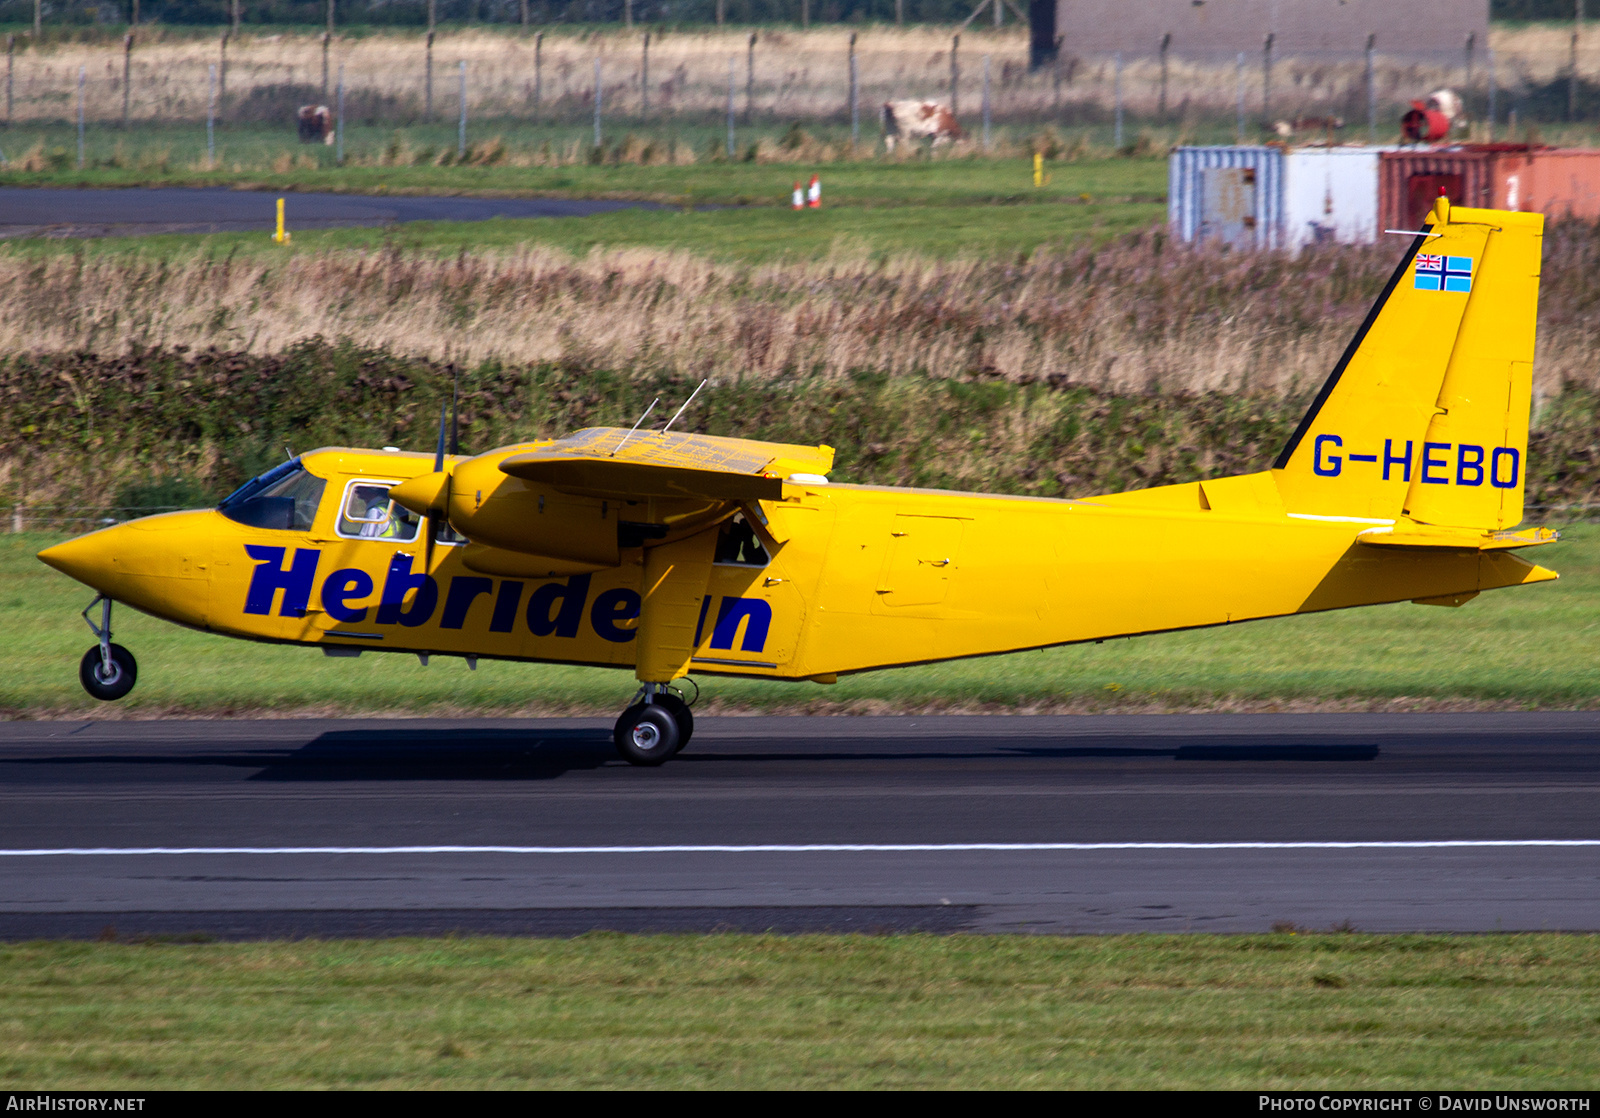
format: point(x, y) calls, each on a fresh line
point(738, 545)
point(368, 514)
point(285, 498)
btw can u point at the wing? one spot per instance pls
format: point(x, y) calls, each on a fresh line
point(608, 462)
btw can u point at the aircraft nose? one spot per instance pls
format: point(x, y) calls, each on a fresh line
point(89, 559)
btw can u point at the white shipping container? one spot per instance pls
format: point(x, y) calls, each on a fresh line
point(1274, 198)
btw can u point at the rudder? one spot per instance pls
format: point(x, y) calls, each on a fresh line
point(1431, 397)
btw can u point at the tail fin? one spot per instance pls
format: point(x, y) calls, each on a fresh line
point(1425, 417)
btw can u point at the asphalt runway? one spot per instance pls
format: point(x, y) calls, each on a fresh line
point(139, 211)
point(1424, 822)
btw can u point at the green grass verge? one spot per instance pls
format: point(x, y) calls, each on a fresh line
point(1281, 1011)
point(1530, 647)
point(868, 182)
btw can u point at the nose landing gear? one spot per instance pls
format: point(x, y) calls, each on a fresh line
point(107, 671)
point(656, 726)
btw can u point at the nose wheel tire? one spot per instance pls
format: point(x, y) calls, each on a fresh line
point(647, 734)
point(108, 681)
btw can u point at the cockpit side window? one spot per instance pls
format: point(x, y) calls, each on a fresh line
point(285, 497)
point(369, 514)
point(738, 545)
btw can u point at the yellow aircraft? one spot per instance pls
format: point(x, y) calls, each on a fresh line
point(671, 553)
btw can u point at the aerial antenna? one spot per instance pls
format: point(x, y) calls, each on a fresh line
point(288, 451)
point(635, 426)
point(438, 454)
point(455, 414)
point(686, 404)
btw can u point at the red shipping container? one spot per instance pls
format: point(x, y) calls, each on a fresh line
point(1557, 182)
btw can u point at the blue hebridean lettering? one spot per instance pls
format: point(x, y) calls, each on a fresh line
point(401, 582)
point(270, 576)
point(505, 607)
point(1390, 458)
point(341, 586)
point(1469, 465)
point(1363, 457)
point(735, 611)
point(1497, 475)
point(1430, 463)
point(563, 622)
point(1327, 465)
point(700, 626)
point(464, 590)
point(612, 607)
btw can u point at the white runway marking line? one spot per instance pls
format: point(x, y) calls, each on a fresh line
point(811, 848)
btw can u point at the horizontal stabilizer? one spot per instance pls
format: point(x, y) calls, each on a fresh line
point(611, 462)
point(1423, 535)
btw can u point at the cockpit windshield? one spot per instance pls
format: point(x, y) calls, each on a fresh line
point(284, 497)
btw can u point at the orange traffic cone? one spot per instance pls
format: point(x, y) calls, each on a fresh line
point(798, 200)
point(814, 193)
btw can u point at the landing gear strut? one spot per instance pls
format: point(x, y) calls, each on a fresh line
point(656, 726)
point(107, 671)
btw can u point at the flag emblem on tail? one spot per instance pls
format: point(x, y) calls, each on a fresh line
point(1444, 273)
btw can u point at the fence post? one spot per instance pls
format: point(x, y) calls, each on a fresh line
point(1266, 81)
point(38, 19)
point(538, 70)
point(235, 13)
point(222, 70)
point(1572, 72)
point(127, 80)
point(986, 113)
point(326, 40)
point(427, 75)
point(1493, 91)
point(750, 80)
point(644, 79)
point(805, 15)
point(899, 13)
point(597, 92)
point(338, 153)
point(461, 129)
point(731, 64)
point(955, 76)
point(83, 76)
point(211, 117)
point(11, 62)
point(524, 15)
point(855, 95)
point(627, 14)
point(1471, 50)
point(1116, 93)
point(1161, 102)
point(1055, 78)
point(1239, 130)
point(721, 7)
point(1372, 90)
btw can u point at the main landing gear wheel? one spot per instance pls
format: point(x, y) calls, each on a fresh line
point(680, 711)
point(110, 676)
point(647, 733)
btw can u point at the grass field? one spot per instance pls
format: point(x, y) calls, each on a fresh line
point(1525, 648)
point(1344, 1011)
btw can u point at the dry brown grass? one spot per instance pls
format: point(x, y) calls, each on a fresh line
point(798, 76)
point(1137, 315)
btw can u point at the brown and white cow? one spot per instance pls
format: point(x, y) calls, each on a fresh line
point(315, 124)
point(918, 120)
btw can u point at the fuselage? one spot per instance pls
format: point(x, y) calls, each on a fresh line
point(839, 578)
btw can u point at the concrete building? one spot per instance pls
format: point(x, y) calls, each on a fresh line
point(1221, 28)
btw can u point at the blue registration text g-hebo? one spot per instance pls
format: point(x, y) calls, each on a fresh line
point(1464, 464)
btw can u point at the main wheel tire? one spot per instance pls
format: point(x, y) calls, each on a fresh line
point(680, 711)
point(646, 734)
point(108, 683)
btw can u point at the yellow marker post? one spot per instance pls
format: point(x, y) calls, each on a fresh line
point(1038, 169)
point(281, 236)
